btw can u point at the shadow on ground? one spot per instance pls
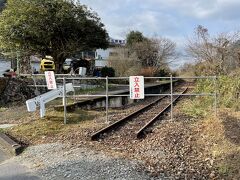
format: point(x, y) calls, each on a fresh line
point(232, 129)
point(229, 167)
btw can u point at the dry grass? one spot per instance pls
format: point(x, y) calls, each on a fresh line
point(221, 137)
point(14, 115)
point(39, 130)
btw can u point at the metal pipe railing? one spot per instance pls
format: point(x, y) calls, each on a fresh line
point(72, 77)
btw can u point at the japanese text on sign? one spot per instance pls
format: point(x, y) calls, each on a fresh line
point(136, 87)
point(50, 79)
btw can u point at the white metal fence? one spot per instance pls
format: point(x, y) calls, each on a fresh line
point(64, 78)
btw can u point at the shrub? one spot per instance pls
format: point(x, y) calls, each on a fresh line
point(227, 88)
point(162, 73)
point(148, 71)
point(107, 71)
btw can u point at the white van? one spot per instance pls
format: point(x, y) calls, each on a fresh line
point(67, 65)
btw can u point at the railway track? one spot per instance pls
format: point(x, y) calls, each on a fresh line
point(141, 132)
point(136, 124)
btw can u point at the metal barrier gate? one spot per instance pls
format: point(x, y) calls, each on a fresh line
point(66, 77)
point(171, 79)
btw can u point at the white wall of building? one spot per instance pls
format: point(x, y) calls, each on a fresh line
point(101, 63)
point(102, 54)
point(101, 57)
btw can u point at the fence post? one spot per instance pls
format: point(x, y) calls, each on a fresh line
point(171, 97)
point(18, 65)
point(107, 99)
point(64, 101)
point(215, 95)
point(35, 85)
point(74, 93)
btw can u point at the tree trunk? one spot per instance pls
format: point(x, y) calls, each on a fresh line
point(25, 66)
point(59, 60)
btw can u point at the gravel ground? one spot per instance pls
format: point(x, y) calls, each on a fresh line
point(62, 161)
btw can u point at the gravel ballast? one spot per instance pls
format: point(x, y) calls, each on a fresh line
point(61, 161)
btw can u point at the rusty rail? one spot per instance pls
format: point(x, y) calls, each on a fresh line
point(120, 122)
point(142, 131)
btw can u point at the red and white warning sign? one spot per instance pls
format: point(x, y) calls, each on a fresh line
point(136, 87)
point(50, 79)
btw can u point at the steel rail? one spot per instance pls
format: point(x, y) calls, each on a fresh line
point(141, 132)
point(118, 123)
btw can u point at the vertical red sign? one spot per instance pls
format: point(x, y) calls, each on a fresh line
point(136, 87)
point(50, 79)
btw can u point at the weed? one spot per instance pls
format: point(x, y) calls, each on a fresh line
point(2, 109)
point(197, 107)
point(223, 169)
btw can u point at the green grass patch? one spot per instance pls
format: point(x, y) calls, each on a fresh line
point(227, 88)
point(195, 108)
point(228, 95)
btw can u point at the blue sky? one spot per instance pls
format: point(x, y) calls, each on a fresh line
point(174, 19)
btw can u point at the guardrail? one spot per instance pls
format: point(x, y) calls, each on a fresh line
point(42, 99)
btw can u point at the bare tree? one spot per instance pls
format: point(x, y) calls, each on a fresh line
point(143, 55)
point(218, 54)
point(155, 52)
point(166, 50)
